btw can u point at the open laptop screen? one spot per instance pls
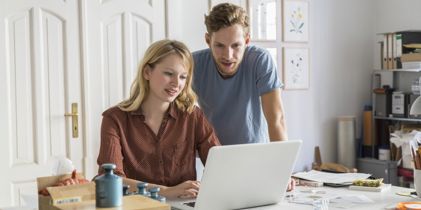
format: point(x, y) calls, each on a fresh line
point(246, 175)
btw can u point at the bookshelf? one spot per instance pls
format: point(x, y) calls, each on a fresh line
point(385, 121)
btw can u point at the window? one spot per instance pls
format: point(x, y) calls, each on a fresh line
point(265, 26)
point(263, 19)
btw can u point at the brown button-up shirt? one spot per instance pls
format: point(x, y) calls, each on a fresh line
point(168, 158)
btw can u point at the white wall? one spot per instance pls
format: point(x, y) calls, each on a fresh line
point(342, 42)
point(342, 61)
point(188, 22)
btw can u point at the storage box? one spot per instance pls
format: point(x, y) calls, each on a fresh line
point(63, 194)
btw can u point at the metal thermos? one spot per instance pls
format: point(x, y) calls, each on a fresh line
point(108, 188)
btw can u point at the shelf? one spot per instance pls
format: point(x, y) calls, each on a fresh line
point(398, 119)
point(397, 70)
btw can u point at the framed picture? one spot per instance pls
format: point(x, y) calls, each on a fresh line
point(295, 25)
point(296, 74)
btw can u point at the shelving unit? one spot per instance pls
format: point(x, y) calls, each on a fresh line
point(400, 80)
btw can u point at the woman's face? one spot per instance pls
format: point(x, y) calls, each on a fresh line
point(166, 79)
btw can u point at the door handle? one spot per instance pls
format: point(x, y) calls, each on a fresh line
point(75, 121)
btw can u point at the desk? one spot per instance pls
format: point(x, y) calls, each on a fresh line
point(382, 200)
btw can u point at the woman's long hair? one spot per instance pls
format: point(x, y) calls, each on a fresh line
point(153, 55)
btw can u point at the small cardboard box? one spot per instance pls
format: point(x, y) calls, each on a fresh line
point(131, 202)
point(63, 194)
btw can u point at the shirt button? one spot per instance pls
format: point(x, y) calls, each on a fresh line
point(161, 162)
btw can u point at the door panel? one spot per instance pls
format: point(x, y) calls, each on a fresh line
point(19, 89)
point(41, 77)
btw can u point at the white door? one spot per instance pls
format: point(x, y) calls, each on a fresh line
point(49, 50)
point(40, 76)
point(39, 79)
point(117, 33)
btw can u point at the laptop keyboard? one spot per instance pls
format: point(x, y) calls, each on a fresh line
point(191, 204)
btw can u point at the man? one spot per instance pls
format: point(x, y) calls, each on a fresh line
point(237, 84)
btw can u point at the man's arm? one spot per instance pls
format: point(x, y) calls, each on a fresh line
point(274, 114)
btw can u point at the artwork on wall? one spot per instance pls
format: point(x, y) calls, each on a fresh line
point(296, 73)
point(295, 16)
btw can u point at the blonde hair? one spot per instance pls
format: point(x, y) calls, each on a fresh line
point(156, 52)
point(224, 15)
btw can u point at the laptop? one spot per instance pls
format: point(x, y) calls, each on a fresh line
point(244, 176)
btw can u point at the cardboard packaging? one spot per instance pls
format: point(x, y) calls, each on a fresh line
point(411, 57)
point(131, 202)
point(82, 197)
point(63, 194)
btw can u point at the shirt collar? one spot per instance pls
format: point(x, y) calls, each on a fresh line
point(172, 111)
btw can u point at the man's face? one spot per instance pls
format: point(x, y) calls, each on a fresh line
point(228, 46)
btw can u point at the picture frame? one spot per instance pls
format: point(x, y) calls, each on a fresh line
point(295, 21)
point(296, 68)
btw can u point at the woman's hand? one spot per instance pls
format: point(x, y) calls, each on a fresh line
point(291, 184)
point(187, 189)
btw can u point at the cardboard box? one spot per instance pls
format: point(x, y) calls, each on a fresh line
point(411, 57)
point(131, 202)
point(63, 194)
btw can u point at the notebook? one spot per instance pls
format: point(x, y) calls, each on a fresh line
point(244, 176)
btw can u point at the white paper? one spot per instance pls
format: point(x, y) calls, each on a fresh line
point(310, 196)
point(60, 165)
point(334, 178)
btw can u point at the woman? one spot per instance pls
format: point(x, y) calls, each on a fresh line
point(153, 136)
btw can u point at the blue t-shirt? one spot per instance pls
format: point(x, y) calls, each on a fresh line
point(233, 105)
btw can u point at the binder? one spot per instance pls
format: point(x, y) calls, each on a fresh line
point(397, 64)
point(367, 128)
point(385, 47)
point(390, 51)
point(381, 54)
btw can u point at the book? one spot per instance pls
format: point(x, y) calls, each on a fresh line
point(381, 188)
point(411, 65)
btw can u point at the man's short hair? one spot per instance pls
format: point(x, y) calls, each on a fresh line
point(225, 15)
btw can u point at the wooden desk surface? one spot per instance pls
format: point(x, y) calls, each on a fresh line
point(132, 202)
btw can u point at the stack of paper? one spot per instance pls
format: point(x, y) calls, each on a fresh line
point(331, 178)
